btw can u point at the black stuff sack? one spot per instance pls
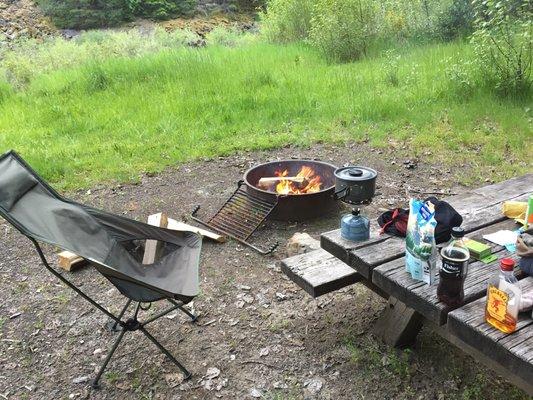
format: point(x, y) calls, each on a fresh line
point(447, 218)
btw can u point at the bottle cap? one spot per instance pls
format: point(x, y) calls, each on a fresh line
point(507, 264)
point(356, 211)
point(458, 232)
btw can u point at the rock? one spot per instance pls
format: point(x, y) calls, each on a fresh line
point(280, 296)
point(173, 379)
point(81, 379)
point(301, 243)
point(263, 352)
point(314, 385)
point(212, 373)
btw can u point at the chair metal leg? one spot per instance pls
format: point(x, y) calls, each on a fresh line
point(94, 383)
point(193, 317)
point(113, 325)
point(166, 352)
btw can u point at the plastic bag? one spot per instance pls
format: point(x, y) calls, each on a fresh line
point(420, 247)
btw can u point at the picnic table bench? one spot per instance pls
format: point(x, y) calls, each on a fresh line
point(379, 264)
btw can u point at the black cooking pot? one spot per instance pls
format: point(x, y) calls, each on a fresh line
point(355, 185)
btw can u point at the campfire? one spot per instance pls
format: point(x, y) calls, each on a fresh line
point(305, 181)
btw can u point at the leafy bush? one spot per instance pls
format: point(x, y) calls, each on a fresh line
point(229, 37)
point(85, 14)
point(503, 43)
point(29, 58)
point(248, 5)
point(342, 29)
point(165, 9)
point(456, 20)
point(408, 19)
point(287, 20)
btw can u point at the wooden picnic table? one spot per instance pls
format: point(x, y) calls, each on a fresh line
point(379, 263)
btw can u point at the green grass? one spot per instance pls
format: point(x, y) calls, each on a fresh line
point(118, 118)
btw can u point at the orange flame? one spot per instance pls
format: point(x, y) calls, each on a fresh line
point(312, 182)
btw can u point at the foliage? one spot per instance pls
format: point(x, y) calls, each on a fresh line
point(29, 58)
point(456, 20)
point(85, 14)
point(411, 19)
point(342, 29)
point(229, 37)
point(503, 42)
point(121, 116)
point(287, 21)
point(249, 5)
point(165, 9)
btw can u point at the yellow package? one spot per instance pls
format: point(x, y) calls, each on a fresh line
point(515, 209)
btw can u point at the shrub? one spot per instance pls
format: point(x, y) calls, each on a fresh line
point(29, 58)
point(165, 9)
point(411, 19)
point(342, 29)
point(287, 20)
point(503, 43)
point(85, 14)
point(248, 5)
point(456, 20)
point(229, 37)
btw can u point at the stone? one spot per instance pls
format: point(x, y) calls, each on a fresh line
point(314, 385)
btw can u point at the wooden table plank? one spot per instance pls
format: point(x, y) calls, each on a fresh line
point(318, 272)
point(513, 351)
point(480, 207)
point(392, 278)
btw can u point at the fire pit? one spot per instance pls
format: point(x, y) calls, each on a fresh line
point(291, 190)
point(301, 199)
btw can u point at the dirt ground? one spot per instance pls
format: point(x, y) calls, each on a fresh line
point(258, 335)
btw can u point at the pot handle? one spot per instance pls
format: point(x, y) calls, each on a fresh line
point(337, 195)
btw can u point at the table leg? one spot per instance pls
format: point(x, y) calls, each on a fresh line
point(399, 325)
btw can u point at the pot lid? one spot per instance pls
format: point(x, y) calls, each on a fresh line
point(355, 173)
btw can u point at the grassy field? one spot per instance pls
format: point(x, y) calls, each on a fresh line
point(115, 119)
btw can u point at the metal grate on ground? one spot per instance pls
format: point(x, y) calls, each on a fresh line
point(240, 216)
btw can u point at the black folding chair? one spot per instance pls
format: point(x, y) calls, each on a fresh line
point(111, 243)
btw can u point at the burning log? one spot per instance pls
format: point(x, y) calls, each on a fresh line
point(306, 181)
point(265, 182)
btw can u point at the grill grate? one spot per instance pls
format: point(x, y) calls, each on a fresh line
point(240, 216)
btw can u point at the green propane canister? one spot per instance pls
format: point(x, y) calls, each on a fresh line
point(529, 213)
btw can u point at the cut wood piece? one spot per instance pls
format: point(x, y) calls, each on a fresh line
point(182, 226)
point(399, 325)
point(69, 261)
point(318, 272)
point(153, 247)
point(274, 179)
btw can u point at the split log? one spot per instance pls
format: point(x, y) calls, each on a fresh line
point(182, 226)
point(275, 179)
point(153, 247)
point(69, 261)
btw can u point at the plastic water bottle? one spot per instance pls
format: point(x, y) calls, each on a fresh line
point(355, 227)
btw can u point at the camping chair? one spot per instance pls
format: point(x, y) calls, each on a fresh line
point(111, 243)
